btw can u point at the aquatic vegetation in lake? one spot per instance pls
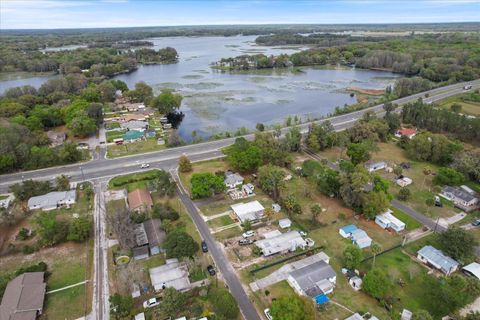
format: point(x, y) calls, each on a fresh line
point(308, 85)
point(166, 85)
point(203, 85)
point(193, 76)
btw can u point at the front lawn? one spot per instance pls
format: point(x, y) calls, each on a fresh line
point(410, 223)
point(148, 145)
point(211, 166)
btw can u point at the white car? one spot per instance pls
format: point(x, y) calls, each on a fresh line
point(267, 314)
point(302, 233)
point(144, 166)
point(150, 303)
point(248, 234)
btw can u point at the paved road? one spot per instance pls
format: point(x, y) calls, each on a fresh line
point(101, 167)
point(426, 221)
point(246, 307)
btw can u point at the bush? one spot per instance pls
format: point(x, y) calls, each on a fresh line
point(180, 244)
point(404, 194)
point(136, 177)
point(224, 304)
point(79, 230)
point(164, 211)
point(206, 184)
point(448, 176)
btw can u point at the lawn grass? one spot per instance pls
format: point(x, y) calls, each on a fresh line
point(468, 107)
point(220, 222)
point(410, 223)
point(115, 134)
point(68, 304)
point(211, 166)
point(148, 145)
point(228, 233)
point(133, 181)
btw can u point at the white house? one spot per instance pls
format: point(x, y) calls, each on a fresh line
point(372, 166)
point(403, 181)
point(173, 274)
point(472, 269)
point(463, 199)
point(233, 179)
point(53, 200)
point(387, 220)
point(361, 239)
point(251, 211)
point(435, 258)
point(313, 280)
point(281, 243)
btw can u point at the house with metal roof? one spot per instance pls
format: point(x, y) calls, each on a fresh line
point(233, 179)
point(135, 125)
point(281, 243)
point(361, 239)
point(435, 258)
point(250, 211)
point(173, 274)
point(23, 297)
point(346, 231)
point(387, 220)
point(473, 269)
point(285, 223)
point(52, 200)
point(467, 201)
point(132, 136)
point(357, 316)
point(313, 280)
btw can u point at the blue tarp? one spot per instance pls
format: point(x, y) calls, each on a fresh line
point(321, 299)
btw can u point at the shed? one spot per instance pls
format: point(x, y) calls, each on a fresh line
point(140, 253)
point(285, 223)
point(472, 269)
point(355, 282)
point(346, 231)
point(406, 314)
point(276, 207)
point(361, 238)
point(155, 235)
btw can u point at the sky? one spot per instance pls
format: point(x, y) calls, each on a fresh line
point(54, 14)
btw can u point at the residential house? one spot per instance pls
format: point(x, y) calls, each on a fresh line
point(473, 269)
point(140, 253)
point(23, 297)
point(250, 211)
point(406, 132)
point(232, 180)
point(387, 220)
point(346, 231)
point(52, 200)
point(135, 125)
point(133, 136)
point(435, 258)
point(315, 280)
point(139, 200)
point(467, 201)
point(276, 207)
point(132, 117)
point(248, 189)
point(285, 223)
point(150, 133)
point(277, 242)
point(56, 138)
point(403, 181)
point(372, 166)
point(155, 235)
point(361, 239)
point(173, 274)
point(357, 316)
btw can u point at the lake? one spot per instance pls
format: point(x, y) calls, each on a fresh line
point(216, 101)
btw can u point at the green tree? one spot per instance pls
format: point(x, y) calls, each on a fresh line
point(224, 304)
point(352, 256)
point(271, 180)
point(328, 182)
point(82, 125)
point(422, 315)
point(375, 203)
point(358, 152)
point(184, 164)
point(121, 306)
point(179, 244)
point(244, 156)
point(376, 249)
point(456, 107)
point(142, 92)
point(291, 205)
point(448, 176)
point(62, 182)
point(79, 229)
point(293, 139)
point(206, 184)
point(173, 302)
point(260, 127)
point(376, 284)
point(404, 194)
point(315, 209)
point(457, 243)
point(291, 308)
point(51, 230)
point(166, 101)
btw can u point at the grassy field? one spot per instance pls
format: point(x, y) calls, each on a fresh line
point(65, 305)
point(228, 233)
point(111, 135)
point(133, 181)
point(148, 145)
point(199, 167)
point(468, 107)
point(410, 223)
point(220, 222)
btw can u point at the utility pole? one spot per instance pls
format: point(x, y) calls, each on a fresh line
point(83, 175)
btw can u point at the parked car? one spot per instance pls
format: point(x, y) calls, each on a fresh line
point(267, 314)
point(144, 166)
point(204, 246)
point(211, 270)
point(150, 303)
point(244, 242)
point(302, 233)
point(476, 223)
point(248, 234)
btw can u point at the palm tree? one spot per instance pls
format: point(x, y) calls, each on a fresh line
point(376, 249)
point(316, 209)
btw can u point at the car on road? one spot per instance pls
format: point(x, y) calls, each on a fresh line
point(144, 166)
point(467, 87)
point(211, 270)
point(204, 246)
point(248, 234)
point(150, 303)
point(476, 223)
point(267, 314)
point(244, 242)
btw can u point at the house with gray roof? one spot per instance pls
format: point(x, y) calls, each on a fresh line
point(232, 180)
point(53, 200)
point(23, 297)
point(361, 238)
point(372, 166)
point(277, 242)
point(173, 274)
point(461, 198)
point(436, 259)
point(313, 280)
point(135, 125)
point(148, 237)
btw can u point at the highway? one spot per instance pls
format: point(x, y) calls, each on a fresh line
point(100, 167)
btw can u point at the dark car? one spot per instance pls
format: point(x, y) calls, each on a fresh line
point(244, 242)
point(476, 223)
point(211, 270)
point(204, 246)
